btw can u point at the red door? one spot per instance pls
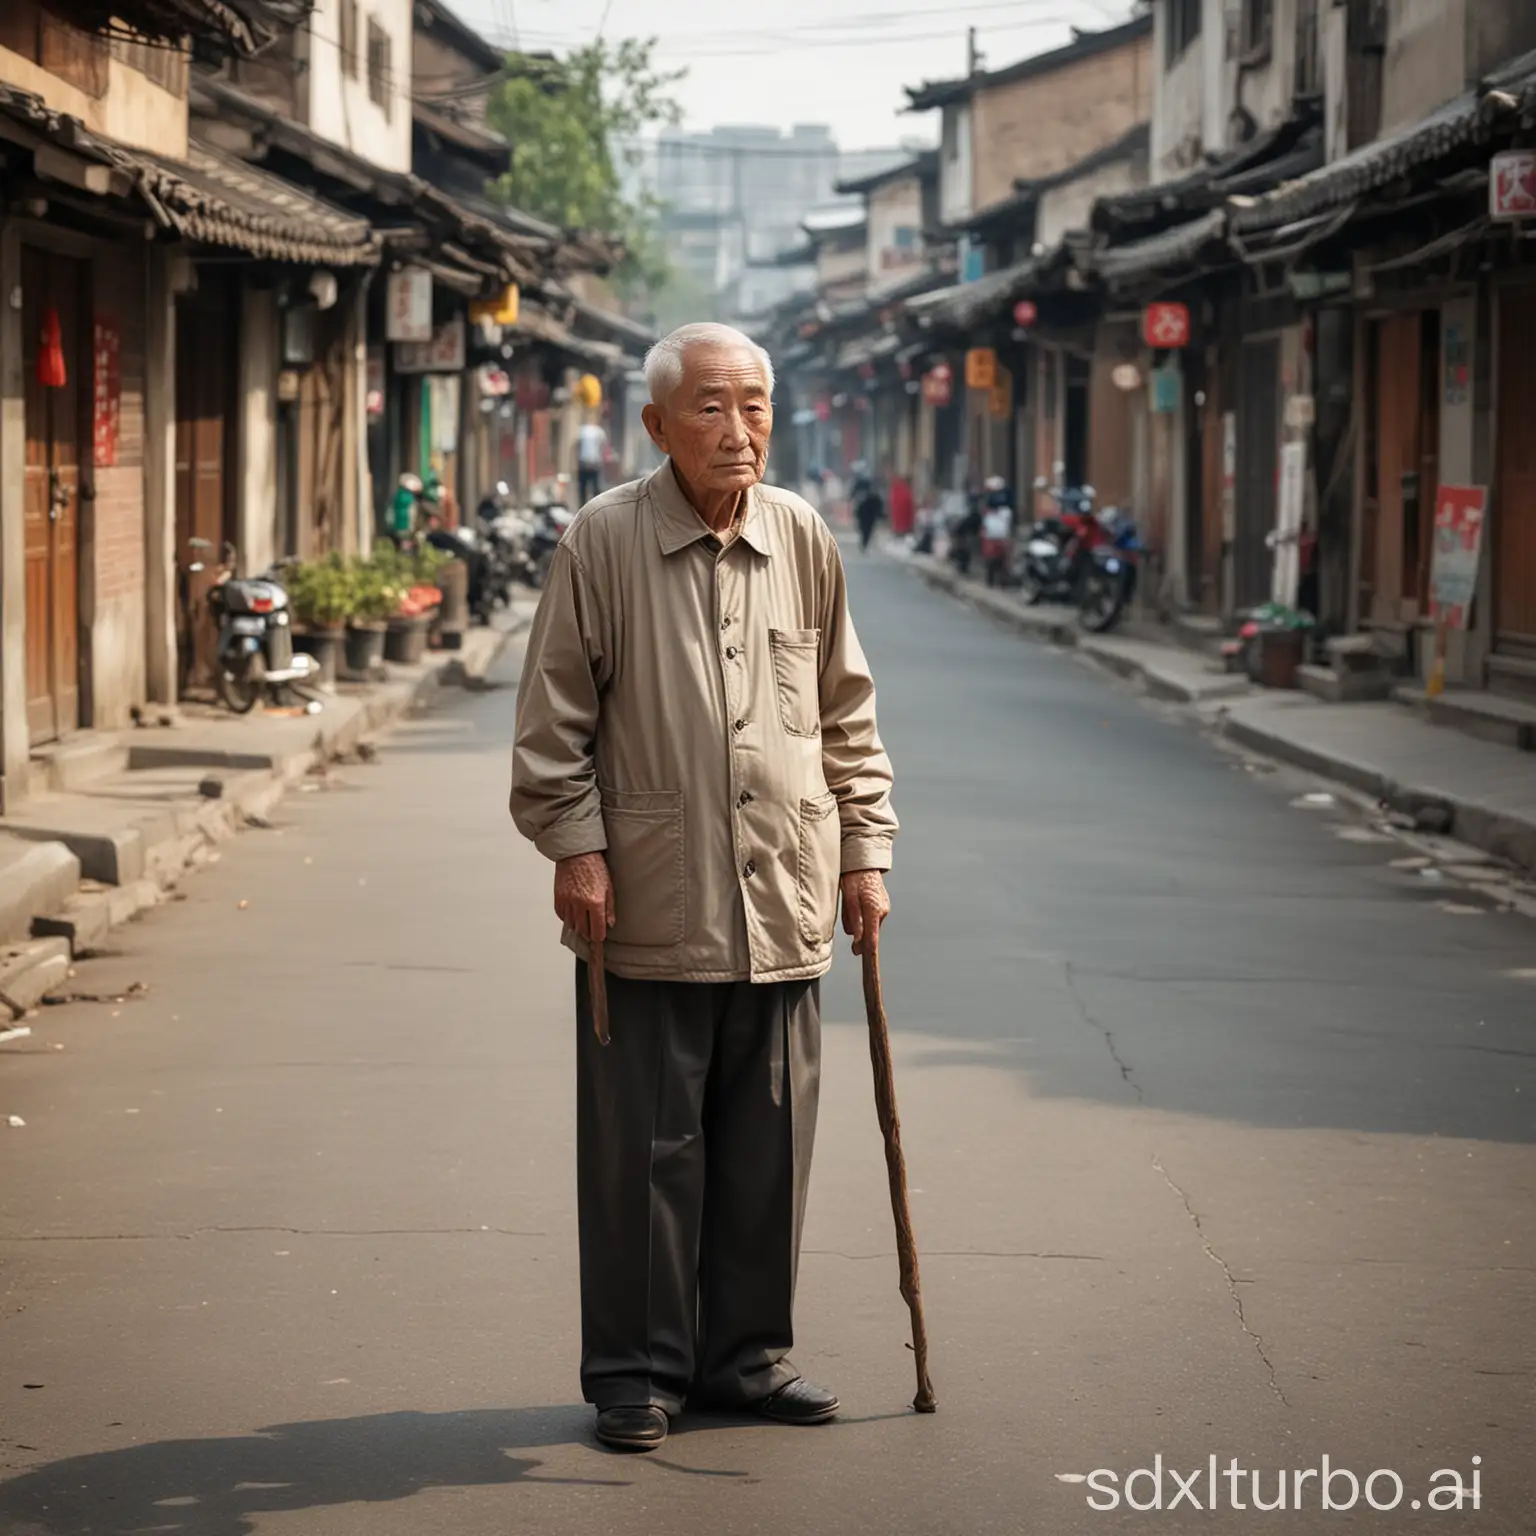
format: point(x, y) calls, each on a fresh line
point(53, 287)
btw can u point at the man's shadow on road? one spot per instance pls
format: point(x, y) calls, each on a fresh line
point(218, 1487)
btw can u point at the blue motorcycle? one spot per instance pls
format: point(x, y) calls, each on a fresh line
point(1109, 583)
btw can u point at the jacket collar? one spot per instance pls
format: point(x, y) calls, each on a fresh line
point(678, 526)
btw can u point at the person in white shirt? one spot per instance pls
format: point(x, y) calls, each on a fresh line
point(591, 446)
point(996, 530)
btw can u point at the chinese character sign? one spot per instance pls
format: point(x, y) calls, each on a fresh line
point(408, 299)
point(1459, 514)
point(1512, 184)
point(1166, 326)
point(108, 401)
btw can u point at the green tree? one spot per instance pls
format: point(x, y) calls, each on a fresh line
point(575, 126)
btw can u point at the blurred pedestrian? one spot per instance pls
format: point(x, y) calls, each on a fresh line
point(591, 448)
point(668, 803)
point(996, 530)
point(868, 505)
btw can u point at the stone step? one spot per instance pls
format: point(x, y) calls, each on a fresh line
point(1487, 716)
point(76, 762)
point(1334, 685)
point(36, 876)
point(28, 972)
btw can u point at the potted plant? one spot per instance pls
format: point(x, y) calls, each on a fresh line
point(322, 594)
point(405, 641)
point(376, 597)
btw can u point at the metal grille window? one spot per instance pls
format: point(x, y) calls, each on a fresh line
point(1183, 27)
point(348, 40)
point(379, 86)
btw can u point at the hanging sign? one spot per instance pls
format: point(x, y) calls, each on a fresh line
point(938, 384)
point(823, 409)
point(1512, 184)
point(1285, 539)
point(107, 412)
point(1165, 326)
point(408, 306)
point(51, 372)
point(1025, 313)
point(1167, 386)
point(980, 368)
point(1460, 511)
point(443, 353)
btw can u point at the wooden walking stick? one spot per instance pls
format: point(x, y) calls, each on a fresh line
point(896, 1168)
point(598, 978)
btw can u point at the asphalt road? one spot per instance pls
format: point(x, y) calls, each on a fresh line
point(1221, 1130)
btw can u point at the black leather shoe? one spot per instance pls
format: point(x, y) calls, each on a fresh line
point(632, 1429)
point(801, 1402)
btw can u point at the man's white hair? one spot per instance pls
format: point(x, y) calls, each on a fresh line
point(664, 362)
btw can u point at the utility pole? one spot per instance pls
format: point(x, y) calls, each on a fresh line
point(972, 57)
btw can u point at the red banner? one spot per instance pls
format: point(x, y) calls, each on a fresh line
point(108, 411)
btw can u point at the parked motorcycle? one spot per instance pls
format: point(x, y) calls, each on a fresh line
point(1050, 560)
point(256, 654)
point(1109, 583)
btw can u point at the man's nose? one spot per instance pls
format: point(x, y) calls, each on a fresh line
point(736, 429)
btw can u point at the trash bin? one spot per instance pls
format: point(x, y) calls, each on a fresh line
point(453, 612)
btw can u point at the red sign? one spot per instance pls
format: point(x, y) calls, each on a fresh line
point(108, 406)
point(1512, 184)
point(1025, 313)
point(1459, 514)
point(823, 409)
point(938, 385)
point(1166, 326)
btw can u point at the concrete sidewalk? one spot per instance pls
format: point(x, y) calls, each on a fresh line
point(119, 817)
point(1480, 793)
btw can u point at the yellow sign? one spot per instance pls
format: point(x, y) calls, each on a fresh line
point(589, 391)
point(502, 311)
point(1002, 395)
point(980, 368)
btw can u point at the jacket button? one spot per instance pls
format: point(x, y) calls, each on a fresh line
point(731, 653)
point(740, 725)
point(744, 798)
point(749, 869)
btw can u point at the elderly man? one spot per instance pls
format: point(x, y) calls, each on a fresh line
point(697, 752)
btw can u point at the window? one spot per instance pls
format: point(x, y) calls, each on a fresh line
point(1309, 80)
point(1258, 25)
point(380, 87)
point(74, 55)
point(348, 39)
point(1182, 28)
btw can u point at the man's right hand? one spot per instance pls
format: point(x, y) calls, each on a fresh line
point(584, 894)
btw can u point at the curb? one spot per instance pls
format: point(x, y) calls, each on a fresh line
point(153, 867)
point(1500, 833)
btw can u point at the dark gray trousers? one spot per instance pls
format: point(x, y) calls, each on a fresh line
point(694, 1130)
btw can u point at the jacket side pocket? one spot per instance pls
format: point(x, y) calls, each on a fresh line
point(819, 865)
point(796, 675)
point(646, 860)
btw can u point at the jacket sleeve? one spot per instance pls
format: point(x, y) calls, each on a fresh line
point(857, 769)
point(555, 801)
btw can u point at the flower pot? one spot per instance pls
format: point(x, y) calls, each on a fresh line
point(365, 648)
point(405, 641)
point(325, 646)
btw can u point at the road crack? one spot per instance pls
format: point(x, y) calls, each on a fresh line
point(1231, 1279)
point(1108, 1034)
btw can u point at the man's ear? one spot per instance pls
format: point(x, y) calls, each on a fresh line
point(656, 427)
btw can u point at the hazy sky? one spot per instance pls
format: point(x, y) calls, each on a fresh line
point(841, 62)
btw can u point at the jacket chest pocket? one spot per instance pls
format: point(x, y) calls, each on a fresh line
point(796, 675)
point(645, 859)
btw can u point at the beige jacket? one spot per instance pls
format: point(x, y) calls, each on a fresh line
point(706, 717)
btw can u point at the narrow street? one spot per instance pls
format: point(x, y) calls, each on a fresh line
point(1220, 1124)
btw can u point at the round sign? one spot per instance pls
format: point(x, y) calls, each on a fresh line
point(941, 373)
point(1025, 313)
point(1127, 376)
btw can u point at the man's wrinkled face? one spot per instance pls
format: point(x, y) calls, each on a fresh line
point(715, 425)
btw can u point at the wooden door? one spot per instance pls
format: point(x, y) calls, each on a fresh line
point(1399, 456)
point(1514, 505)
point(203, 394)
point(1258, 472)
point(53, 286)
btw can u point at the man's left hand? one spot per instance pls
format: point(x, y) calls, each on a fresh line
point(866, 904)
